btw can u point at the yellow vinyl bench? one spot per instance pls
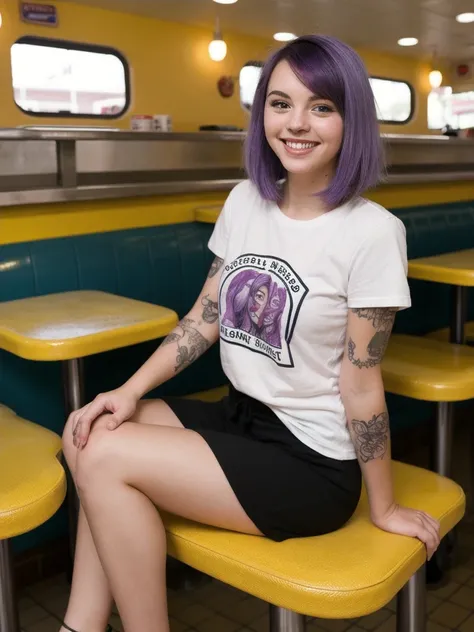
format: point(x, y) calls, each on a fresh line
point(443, 334)
point(32, 488)
point(346, 574)
point(432, 371)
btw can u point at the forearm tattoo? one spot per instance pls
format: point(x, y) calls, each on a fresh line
point(215, 267)
point(382, 319)
point(191, 343)
point(371, 437)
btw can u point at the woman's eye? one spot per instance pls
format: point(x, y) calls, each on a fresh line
point(279, 105)
point(323, 109)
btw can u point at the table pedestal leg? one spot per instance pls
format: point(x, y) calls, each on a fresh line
point(74, 398)
point(8, 606)
point(443, 438)
point(458, 314)
point(441, 464)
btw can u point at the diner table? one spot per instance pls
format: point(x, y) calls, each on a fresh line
point(455, 269)
point(69, 326)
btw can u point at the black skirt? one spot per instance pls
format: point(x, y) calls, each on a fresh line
point(287, 489)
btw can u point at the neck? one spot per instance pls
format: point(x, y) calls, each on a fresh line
point(299, 198)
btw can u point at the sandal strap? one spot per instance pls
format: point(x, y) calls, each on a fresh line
point(109, 628)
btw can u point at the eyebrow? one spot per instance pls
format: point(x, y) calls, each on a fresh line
point(279, 93)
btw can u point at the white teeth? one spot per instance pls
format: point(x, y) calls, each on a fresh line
point(300, 145)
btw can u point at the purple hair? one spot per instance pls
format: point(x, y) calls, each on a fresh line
point(334, 71)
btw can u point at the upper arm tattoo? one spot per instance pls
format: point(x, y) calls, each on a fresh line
point(382, 319)
point(215, 267)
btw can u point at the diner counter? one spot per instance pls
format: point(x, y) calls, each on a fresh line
point(53, 165)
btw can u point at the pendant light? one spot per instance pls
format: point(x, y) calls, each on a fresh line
point(218, 47)
point(435, 77)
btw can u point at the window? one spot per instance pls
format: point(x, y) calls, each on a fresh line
point(394, 99)
point(57, 78)
point(248, 81)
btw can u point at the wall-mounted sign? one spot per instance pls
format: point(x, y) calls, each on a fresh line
point(34, 13)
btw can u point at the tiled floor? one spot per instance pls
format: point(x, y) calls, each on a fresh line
point(214, 607)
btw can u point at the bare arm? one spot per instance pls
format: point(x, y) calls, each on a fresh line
point(362, 392)
point(193, 335)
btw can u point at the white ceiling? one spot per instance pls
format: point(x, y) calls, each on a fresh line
point(376, 24)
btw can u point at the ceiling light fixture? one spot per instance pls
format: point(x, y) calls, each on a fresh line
point(436, 78)
point(284, 37)
point(225, 1)
point(465, 18)
point(408, 41)
point(217, 48)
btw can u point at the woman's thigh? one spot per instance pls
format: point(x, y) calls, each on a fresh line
point(174, 467)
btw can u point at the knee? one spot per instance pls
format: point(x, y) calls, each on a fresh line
point(94, 463)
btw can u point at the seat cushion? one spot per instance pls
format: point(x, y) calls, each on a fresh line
point(443, 334)
point(427, 369)
point(345, 574)
point(211, 395)
point(32, 481)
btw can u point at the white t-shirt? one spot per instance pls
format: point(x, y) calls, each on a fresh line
point(285, 290)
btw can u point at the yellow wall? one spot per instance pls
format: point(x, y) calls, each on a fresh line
point(171, 71)
point(44, 221)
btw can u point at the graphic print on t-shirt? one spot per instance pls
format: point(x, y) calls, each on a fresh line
point(259, 301)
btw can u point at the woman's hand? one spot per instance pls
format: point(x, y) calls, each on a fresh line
point(417, 524)
point(120, 402)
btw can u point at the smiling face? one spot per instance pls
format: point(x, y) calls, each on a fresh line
point(304, 130)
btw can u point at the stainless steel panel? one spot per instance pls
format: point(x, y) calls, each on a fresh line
point(119, 191)
point(27, 157)
point(101, 156)
point(424, 153)
point(55, 195)
point(57, 134)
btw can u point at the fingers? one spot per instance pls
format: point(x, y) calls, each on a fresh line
point(83, 420)
point(431, 520)
point(428, 533)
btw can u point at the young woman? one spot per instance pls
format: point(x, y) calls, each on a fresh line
point(302, 293)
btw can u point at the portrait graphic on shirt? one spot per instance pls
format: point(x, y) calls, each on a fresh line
point(259, 301)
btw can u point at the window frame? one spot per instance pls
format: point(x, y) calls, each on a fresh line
point(260, 64)
point(80, 46)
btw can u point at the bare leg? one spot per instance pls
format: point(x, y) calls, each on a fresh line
point(90, 601)
point(122, 476)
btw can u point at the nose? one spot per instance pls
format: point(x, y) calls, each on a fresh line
point(298, 121)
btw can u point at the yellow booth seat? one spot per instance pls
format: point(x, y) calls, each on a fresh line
point(212, 395)
point(32, 488)
point(32, 481)
point(443, 334)
point(427, 369)
point(349, 573)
